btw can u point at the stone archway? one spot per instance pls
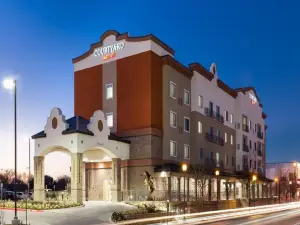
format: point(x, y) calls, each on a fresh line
point(77, 137)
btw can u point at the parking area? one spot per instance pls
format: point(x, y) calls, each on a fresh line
point(94, 212)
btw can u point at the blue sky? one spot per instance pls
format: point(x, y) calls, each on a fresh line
point(253, 43)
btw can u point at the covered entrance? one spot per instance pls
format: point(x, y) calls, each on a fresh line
point(96, 156)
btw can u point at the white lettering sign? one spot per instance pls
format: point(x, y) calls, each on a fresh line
point(253, 98)
point(110, 49)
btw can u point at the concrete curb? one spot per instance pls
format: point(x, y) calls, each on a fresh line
point(21, 210)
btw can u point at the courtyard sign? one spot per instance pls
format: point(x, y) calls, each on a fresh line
point(109, 51)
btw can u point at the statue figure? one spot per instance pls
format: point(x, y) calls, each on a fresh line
point(149, 182)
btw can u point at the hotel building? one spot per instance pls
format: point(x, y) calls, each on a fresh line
point(137, 109)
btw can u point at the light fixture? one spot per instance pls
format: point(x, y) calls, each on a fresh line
point(184, 167)
point(254, 177)
point(9, 83)
point(290, 182)
point(217, 172)
point(294, 164)
point(276, 179)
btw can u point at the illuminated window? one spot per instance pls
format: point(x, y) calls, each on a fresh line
point(173, 148)
point(225, 138)
point(200, 101)
point(173, 119)
point(231, 118)
point(217, 158)
point(186, 97)
point(231, 139)
point(110, 119)
point(109, 91)
point(172, 89)
point(186, 151)
point(226, 115)
point(249, 124)
point(199, 127)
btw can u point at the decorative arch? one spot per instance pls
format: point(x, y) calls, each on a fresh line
point(55, 148)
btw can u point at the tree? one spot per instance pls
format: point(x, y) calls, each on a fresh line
point(202, 178)
point(61, 182)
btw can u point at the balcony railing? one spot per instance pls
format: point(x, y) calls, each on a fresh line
point(214, 139)
point(259, 152)
point(217, 116)
point(245, 148)
point(260, 135)
point(245, 128)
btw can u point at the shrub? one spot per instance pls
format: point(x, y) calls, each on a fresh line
point(117, 217)
point(150, 208)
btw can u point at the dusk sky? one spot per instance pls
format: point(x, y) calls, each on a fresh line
point(254, 43)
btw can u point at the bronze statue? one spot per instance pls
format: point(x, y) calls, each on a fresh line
point(149, 182)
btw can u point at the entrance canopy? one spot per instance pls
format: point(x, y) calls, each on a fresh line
point(79, 135)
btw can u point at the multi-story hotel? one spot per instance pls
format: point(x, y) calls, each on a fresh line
point(137, 109)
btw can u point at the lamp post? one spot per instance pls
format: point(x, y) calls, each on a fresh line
point(184, 169)
point(276, 188)
point(290, 183)
point(29, 170)
point(254, 178)
point(217, 173)
point(295, 177)
point(12, 84)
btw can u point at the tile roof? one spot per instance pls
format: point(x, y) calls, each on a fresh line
point(78, 124)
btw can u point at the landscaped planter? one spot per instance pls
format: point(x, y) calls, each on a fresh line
point(148, 215)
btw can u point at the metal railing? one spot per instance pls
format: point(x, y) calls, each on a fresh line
point(215, 115)
point(260, 135)
point(214, 139)
point(245, 127)
point(245, 148)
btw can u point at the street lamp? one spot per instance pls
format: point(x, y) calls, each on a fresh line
point(12, 84)
point(276, 188)
point(184, 168)
point(217, 173)
point(254, 178)
point(290, 183)
point(29, 170)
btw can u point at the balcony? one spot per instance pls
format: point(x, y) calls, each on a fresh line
point(245, 168)
point(212, 114)
point(259, 153)
point(260, 135)
point(214, 139)
point(209, 112)
point(261, 172)
point(245, 148)
point(245, 128)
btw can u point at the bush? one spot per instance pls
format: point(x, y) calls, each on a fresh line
point(117, 217)
point(150, 208)
point(39, 205)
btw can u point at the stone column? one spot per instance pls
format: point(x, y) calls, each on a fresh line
point(187, 189)
point(116, 180)
point(169, 189)
point(218, 188)
point(83, 182)
point(178, 189)
point(196, 189)
point(77, 178)
point(258, 191)
point(209, 189)
point(234, 190)
point(39, 179)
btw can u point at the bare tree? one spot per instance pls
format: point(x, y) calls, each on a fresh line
point(202, 177)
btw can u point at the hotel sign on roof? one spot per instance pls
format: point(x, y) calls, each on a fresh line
point(109, 51)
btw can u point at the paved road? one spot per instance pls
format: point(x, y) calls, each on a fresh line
point(93, 213)
point(286, 217)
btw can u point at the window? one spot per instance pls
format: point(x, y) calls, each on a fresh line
point(250, 144)
point(211, 106)
point(211, 131)
point(226, 159)
point(109, 91)
point(201, 153)
point(231, 118)
point(110, 119)
point(250, 124)
point(255, 127)
point(233, 161)
point(217, 158)
point(226, 115)
point(173, 119)
point(245, 140)
point(186, 151)
point(199, 127)
point(186, 97)
point(218, 133)
point(231, 139)
point(172, 89)
point(250, 164)
point(200, 101)
point(255, 146)
point(225, 138)
point(218, 110)
point(211, 155)
point(173, 148)
point(255, 165)
point(186, 124)
point(244, 120)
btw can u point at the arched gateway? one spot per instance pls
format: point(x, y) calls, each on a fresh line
point(87, 142)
